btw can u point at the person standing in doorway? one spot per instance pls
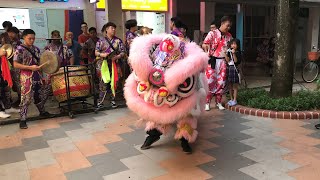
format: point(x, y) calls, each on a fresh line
point(82, 39)
point(216, 44)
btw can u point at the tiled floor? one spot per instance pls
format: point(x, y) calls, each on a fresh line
point(107, 146)
point(253, 80)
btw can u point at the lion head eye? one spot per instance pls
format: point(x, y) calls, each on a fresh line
point(186, 88)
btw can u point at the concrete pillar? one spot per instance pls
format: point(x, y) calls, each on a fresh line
point(207, 15)
point(240, 21)
point(90, 14)
point(114, 14)
point(313, 29)
point(130, 15)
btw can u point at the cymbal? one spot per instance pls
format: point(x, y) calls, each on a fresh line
point(49, 62)
point(9, 49)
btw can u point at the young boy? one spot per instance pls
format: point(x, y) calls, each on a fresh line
point(27, 59)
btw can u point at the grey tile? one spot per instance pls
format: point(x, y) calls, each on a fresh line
point(232, 134)
point(34, 143)
point(85, 119)
point(122, 150)
point(11, 155)
point(310, 124)
point(39, 158)
point(315, 134)
point(227, 146)
point(233, 175)
point(52, 134)
point(69, 126)
point(84, 174)
point(106, 164)
point(134, 138)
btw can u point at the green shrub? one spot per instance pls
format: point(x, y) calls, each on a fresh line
point(259, 98)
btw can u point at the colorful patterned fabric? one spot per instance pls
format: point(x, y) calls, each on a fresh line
point(103, 46)
point(216, 80)
point(177, 33)
point(31, 84)
point(129, 38)
point(15, 73)
point(218, 42)
point(62, 51)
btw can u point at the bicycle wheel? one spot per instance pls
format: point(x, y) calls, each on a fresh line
point(310, 72)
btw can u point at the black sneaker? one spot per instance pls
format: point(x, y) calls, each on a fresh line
point(23, 125)
point(149, 141)
point(185, 146)
point(47, 115)
point(113, 104)
point(100, 106)
point(317, 126)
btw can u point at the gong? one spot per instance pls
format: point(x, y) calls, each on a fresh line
point(49, 62)
point(9, 49)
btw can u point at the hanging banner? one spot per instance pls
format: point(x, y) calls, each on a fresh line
point(38, 22)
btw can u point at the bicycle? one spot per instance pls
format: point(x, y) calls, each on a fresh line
point(310, 71)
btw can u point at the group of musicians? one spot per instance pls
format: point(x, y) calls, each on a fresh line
point(28, 80)
point(26, 72)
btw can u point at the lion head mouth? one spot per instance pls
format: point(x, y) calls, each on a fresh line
point(159, 95)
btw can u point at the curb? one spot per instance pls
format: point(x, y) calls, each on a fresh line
point(301, 115)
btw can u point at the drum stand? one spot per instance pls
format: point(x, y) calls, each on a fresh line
point(82, 100)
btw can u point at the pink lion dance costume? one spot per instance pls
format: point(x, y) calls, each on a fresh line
point(167, 86)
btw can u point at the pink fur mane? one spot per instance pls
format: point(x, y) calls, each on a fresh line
point(194, 62)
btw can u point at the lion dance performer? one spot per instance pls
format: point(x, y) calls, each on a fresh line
point(167, 87)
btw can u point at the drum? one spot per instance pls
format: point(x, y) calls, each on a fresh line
point(49, 62)
point(79, 84)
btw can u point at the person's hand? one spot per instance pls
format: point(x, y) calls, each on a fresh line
point(3, 52)
point(115, 58)
point(34, 68)
point(233, 51)
point(103, 55)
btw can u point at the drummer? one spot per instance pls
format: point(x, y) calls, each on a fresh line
point(62, 51)
point(26, 58)
point(104, 47)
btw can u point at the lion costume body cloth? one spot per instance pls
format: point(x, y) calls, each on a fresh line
point(167, 86)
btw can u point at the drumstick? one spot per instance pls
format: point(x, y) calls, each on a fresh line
point(43, 64)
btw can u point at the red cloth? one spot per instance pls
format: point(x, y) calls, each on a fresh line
point(6, 71)
point(116, 78)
